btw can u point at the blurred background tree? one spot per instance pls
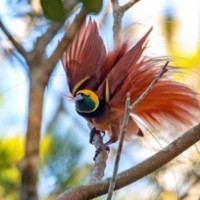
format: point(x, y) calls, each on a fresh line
point(65, 154)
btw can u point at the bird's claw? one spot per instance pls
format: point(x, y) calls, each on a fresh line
point(103, 147)
point(93, 131)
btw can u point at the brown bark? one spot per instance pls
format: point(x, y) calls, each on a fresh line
point(40, 71)
point(29, 165)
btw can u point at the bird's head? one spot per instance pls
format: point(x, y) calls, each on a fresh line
point(86, 101)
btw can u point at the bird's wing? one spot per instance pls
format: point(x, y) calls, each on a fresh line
point(120, 71)
point(168, 102)
point(84, 58)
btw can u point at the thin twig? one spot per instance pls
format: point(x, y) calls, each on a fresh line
point(129, 5)
point(65, 41)
point(128, 109)
point(44, 40)
point(118, 13)
point(15, 43)
point(119, 150)
point(149, 88)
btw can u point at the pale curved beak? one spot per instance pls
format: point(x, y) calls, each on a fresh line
point(78, 97)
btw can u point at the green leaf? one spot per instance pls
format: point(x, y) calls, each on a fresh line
point(93, 6)
point(53, 10)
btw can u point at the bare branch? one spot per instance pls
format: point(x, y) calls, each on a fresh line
point(149, 88)
point(118, 13)
point(139, 171)
point(128, 109)
point(63, 44)
point(15, 43)
point(43, 41)
point(100, 159)
point(117, 25)
point(129, 5)
point(119, 150)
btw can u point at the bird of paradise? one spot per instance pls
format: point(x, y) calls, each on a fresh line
point(99, 81)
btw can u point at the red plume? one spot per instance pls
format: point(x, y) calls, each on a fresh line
point(112, 74)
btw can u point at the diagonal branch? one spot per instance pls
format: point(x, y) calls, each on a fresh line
point(139, 171)
point(65, 41)
point(128, 5)
point(44, 40)
point(15, 43)
point(149, 88)
point(119, 149)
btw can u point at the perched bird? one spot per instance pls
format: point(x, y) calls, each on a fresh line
point(99, 80)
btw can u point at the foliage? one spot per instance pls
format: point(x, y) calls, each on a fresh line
point(11, 150)
point(60, 157)
point(53, 10)
point(92, 6)
point(61, 161)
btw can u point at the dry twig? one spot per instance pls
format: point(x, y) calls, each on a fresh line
point(15, 43)
point(119, 150)
point(118, 13)
point(128, 109)
point(149, 88)
point(44, 40)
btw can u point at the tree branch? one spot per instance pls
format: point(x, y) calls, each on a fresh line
point(118, 13)
point(100, 159)
point(65, 41)
point(128, 109)
point(129, 5)
point(44, 40)
point(14, 42)
point(39, 77)
point(149, 88)
point(137, 172)
point(119, 150)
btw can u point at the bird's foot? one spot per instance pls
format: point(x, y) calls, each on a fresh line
point(94, 131)
point(98, 143)
point(103, 147)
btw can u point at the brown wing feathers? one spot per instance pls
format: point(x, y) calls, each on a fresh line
point(112, 74)
point(85, 58)
point(118, 76)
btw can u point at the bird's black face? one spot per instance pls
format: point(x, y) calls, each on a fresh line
point(86, 101)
